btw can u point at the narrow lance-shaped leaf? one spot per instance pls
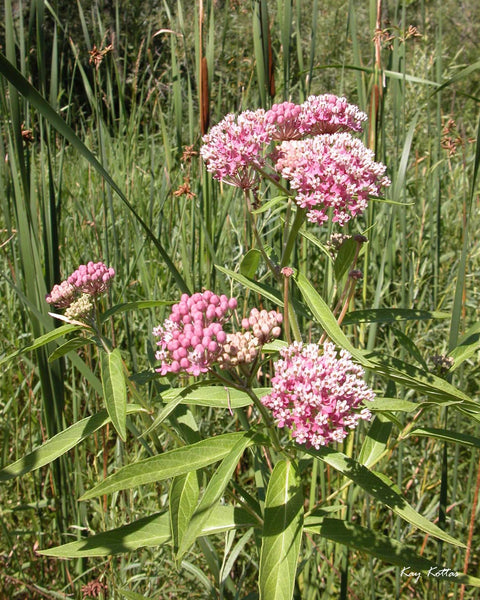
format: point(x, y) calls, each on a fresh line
point(150, 531)
point(169, 464)
point(379, 489)
point(60, 444)
point(183, 497)
point(214, 492)
point(282, 533)
point(386, 549)
point(115, 390)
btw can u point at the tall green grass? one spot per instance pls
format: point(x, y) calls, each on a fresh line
point(136, 113)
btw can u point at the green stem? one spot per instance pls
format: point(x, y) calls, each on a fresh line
point(273, 268)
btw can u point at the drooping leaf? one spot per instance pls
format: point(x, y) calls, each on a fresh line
point(380, 490)
point(150, 531)
point(43, 340)
point(447, 436)
point(375, 441)
point(282, 533)
point(382, 547)
point(391, 315)
point(68, 346)
point(60, 444)
point(115, 390)
point(169, 464)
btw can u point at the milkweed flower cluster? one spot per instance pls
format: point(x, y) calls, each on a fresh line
point(317, 394)
point(331, 171)
point(232, 149)
point(193, 338)
point(326, 166)
point(76, 292)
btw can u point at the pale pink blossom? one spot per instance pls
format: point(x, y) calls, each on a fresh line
point(329, 114)
point(332, 171)
point(317, 394)
point(92, 278)
point(234, 148)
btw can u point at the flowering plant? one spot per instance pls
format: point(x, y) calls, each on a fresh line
point(298, 405)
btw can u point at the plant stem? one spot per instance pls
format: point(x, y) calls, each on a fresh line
point(297, 223)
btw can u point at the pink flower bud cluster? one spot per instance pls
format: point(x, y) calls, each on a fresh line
point(233, 148)
point(331, 171)
point(264, 325)
point(191, 338)
point(243, 347)
point(92, 279)
point(316, 394)
point(286, 119)
point(62, 295)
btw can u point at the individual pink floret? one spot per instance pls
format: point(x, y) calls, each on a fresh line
point(62, 295)
point(92, 278)
point(328, 114)
point(331, 171)
point(232, 149)
point(317, 394)
point(191, 337)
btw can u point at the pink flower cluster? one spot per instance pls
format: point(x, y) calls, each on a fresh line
point(325, 165)
point(317, 115)
point(92, 279)
point(331, 171)
point(316, 394)
point(233, 148)
point(191, 337)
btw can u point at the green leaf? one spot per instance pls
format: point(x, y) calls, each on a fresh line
point(169, 464)
point(381, 491)
point(133, 595)
point(391, 315)
point(393, 404)
point(270, 204)
point(260, 288)
point(183, 497)
point(250, 263)
point(214, 491)
point(60, 444)
point(68, 346)
point(344, 258)
point(115, 390)
point(382, 547)
point(153, 530)
point(282, 533)
point(467, 346)
point(42, 341)
point(375, 441)
point(150, 531)
point(128, 306)
point(214, 396)
point(446, 436)
point(439, 390)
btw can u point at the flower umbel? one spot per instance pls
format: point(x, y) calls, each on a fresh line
point(331, 171)
point(191, 338)
point(233, 148)
point(316, 393)
point(92, 278)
